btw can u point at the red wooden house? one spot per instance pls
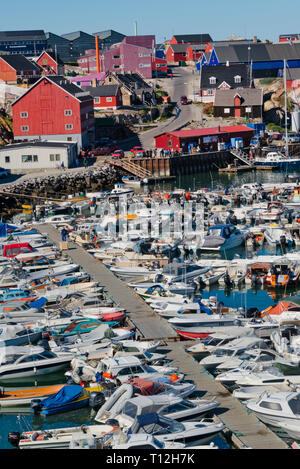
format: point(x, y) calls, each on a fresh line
point(190, 39)
point(194, 52)
point(51, 64)
point(54, 109)
point(17, 69)
point(176, 53)
point(105, 96)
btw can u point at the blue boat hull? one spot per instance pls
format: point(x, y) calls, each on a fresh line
point(78, 404)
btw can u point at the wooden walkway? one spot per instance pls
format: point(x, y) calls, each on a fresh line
point(147, 322)
point(247, 431)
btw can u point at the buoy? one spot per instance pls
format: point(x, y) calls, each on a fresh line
point(174, 378)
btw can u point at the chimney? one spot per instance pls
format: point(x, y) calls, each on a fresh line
point(97, 53)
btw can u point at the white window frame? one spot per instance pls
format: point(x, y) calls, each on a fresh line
point(237, 79)
point(212, 80)
point(69, 126)
point(24, 114)
point(24, 128)
point(248, 109)
point(68, 112)
point(226, 110)
point(97, 100)
point(109, 99)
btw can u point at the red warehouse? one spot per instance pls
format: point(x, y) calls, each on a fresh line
point(18, 69)
point(51, 64)
point(206, 139)
point(54, 109)
point(106, 96)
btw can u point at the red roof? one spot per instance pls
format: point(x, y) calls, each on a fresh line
point(208, 131)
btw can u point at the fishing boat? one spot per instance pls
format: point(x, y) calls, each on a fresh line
point(69, 397)
point(23, 397)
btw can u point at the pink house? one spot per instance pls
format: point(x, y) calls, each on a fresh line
point(135, 54)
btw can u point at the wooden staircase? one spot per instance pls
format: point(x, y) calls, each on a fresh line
point(132, 168)
point(242, 156)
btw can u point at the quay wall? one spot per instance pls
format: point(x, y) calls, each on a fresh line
point(185, 164)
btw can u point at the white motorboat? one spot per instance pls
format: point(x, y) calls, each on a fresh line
point(17, 334)
point(257, 355)
point(17, 367)
point(59, 438)
point(254, 392)
point(223, 237)
point(234, 349)
point(195, 326)
point(277, 408)
point(277, 236)
point(167, 405)
point(120, 190)
point(165, 429)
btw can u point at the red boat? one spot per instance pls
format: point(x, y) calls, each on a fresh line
point(116, 316)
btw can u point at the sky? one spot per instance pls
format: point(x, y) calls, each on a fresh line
point(164, 18)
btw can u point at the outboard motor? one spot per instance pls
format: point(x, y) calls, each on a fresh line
point(36, 405)
point(113, 422)
point(14, 438)
point(282, 240)
point(96, 400)
point(159, 278)
point(227, 280)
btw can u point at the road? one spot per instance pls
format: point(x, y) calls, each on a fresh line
point(183, 83)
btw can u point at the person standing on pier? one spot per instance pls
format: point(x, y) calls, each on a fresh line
point(64, 234)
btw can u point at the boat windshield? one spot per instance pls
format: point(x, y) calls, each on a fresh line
point(294, 404)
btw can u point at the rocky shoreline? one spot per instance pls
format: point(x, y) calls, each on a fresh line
point(58, 187)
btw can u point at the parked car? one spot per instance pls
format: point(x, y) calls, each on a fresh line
point(184, 100)
point(138, 151)
point(4, 173)
point(105, 150)
point(292, 138)
point(118, 154)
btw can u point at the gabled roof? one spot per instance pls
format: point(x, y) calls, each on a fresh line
point(19, 62)
point(70, 88)
point(249, 97)
point(132, 81)
point(102, 91)
point(224, 73)
point(75, 35)
point(53, 56)
point(257, 52)
point(193, 37)
point(207, 131)
point(179, 48)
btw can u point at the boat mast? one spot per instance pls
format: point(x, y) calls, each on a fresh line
point(285, 112)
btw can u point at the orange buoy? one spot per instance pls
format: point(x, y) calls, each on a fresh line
point(174, 378)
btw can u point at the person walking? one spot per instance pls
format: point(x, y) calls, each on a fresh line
point(64, 234)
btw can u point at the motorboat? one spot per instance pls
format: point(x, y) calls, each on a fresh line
point(177, 288)
point(272, 213)
point(23, 397)
point(197, 326)
point(144, 441)
point(262, 357)
point(18, 334)
point(277, 408)
point(277, 236)
point(292, 428)
point(282, 273)
point(18, 366)
point(167, 405)
point(69, 397)
point(120, 190)
point(165, 429)
point(133, 272)
point(268, 376)
point(148, 387)
point(232, 350)
point(59, 438)
point(277, 160)
point(223, 237)
point(254, 392)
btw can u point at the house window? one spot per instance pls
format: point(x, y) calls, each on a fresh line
point(237, 79)
point(7, 159)
point(116, 56)
point(226, 110)
point(69, 126)
point(23, 114)
point(144, 65)
point(26, 158)
point(54, 157)
point(57, 157)
point(108, 100)
point(24, 128)
point(248, 109)
point(69, 139)
point(212, 80)
point(68, 112)
point(210, 92)
point(116, 66)
point(144, 55)
point(35, 158)
point(97, 100)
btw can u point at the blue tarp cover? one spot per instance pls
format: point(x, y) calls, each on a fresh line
point(38, 303)
point(5, 229)
point(64, 396)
